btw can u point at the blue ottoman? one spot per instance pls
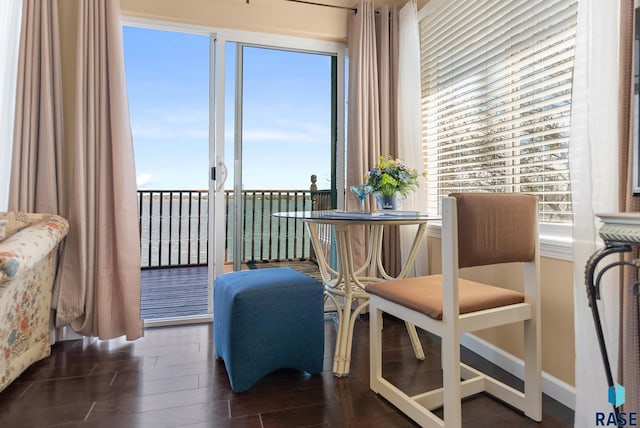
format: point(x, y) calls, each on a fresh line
point(267, 319)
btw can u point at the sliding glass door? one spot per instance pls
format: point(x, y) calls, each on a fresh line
point(168, 83)
point(283, 145)
point(228, 127)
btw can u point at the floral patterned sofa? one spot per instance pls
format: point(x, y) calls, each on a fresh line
point(28, 262)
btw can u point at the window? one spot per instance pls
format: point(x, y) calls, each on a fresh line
point(496, 99)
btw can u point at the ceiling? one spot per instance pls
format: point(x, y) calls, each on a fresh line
point(354, 3)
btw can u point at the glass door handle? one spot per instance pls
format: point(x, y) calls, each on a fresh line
point(221, 177)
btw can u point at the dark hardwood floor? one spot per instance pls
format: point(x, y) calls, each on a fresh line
point(170, 378)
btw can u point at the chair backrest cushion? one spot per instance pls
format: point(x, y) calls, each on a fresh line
point(496, 228)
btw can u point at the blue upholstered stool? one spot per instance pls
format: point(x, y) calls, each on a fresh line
point(267, 319)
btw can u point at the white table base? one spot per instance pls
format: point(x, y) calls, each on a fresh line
point(346, 286)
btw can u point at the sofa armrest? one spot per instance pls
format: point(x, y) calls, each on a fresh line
point(27, 247)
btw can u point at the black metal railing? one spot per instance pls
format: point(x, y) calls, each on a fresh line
point(174, 225)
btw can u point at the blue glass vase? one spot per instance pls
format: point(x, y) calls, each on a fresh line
point(393, 202)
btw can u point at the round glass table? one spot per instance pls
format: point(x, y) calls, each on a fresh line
point(345, 284)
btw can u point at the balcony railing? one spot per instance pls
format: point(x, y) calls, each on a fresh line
point(174, 226)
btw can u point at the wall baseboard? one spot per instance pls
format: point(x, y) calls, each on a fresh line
point(552, 386)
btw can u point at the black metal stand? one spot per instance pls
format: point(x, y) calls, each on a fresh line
point(592, 282)
point(620, 232)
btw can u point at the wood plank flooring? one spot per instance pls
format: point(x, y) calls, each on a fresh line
point(171, 378)
point(174, 292)
point(183, 291)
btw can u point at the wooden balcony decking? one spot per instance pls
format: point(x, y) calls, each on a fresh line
point(183, 291)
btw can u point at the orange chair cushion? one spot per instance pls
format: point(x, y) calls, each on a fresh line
point(424, 294)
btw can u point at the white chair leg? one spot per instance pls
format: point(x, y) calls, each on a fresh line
point(375, 348)
point(532, 370)
point(451, 378)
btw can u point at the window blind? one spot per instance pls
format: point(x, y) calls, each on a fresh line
point(496, 99)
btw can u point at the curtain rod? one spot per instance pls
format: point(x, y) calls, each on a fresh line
point(322, 4)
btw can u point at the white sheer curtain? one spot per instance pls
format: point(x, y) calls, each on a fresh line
point(410, 124)
point(594, 186)
point(10, 20)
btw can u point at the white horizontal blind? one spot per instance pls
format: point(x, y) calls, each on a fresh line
point(496, 99)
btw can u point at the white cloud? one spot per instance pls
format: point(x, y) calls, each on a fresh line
point(167, 124)
point(145, 180)
point(279, 135)
point(305, 133)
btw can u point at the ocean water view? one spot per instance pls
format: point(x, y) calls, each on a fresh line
point(174, 226)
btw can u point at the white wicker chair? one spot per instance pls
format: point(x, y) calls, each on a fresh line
point(478, 229)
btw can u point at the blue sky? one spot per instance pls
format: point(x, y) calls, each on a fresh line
point(286, 115)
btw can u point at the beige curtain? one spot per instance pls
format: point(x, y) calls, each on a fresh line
point(37, 163)
point(373, 70)
point(629, 349)
point(37, 172)
point(100, 284)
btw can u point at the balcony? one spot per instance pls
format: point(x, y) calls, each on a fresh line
point(174, 243)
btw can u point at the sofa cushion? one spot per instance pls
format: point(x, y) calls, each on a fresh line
point(28, 263)
point(26, 247)
point(12, 222)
